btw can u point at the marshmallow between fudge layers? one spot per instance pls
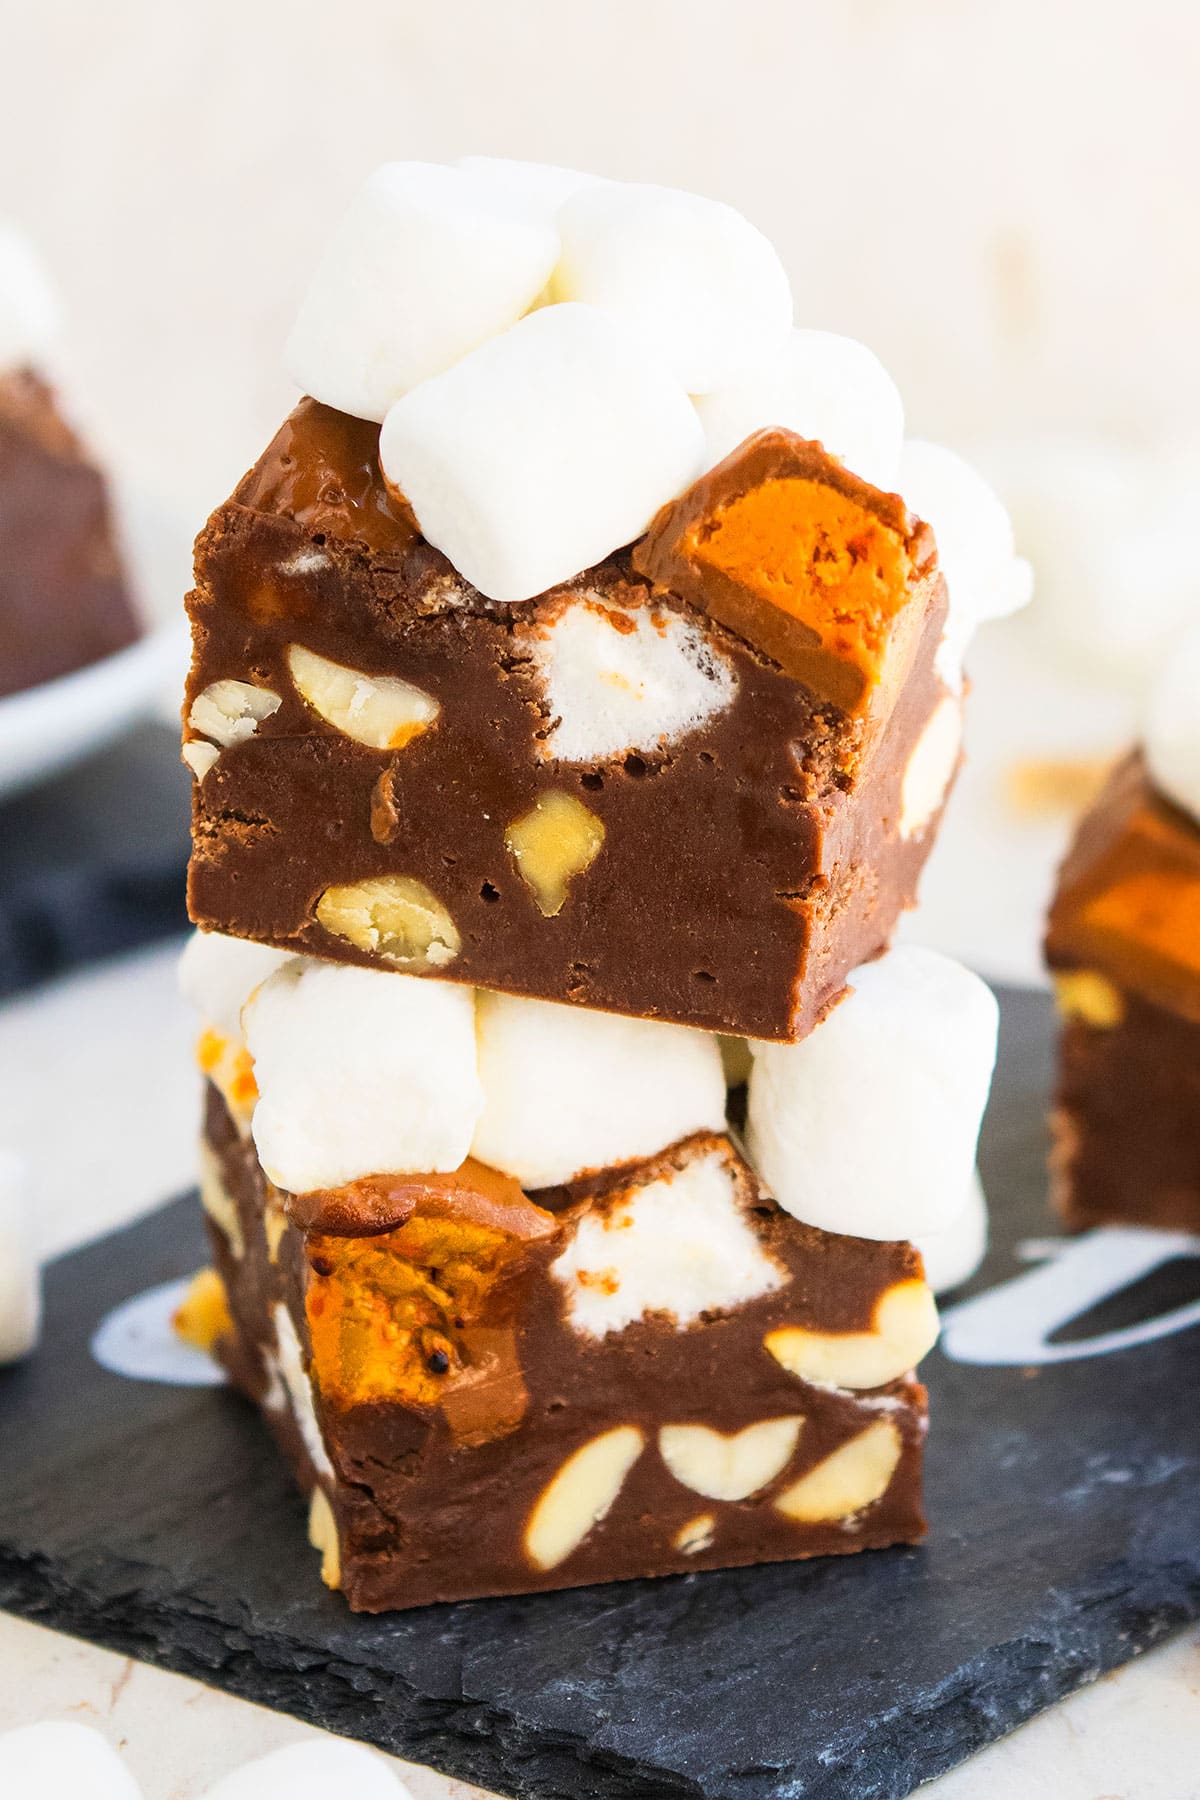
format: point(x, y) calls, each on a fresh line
point(658, 789)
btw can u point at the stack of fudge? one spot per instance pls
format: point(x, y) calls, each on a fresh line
point(573, 707)
point(1123, 944)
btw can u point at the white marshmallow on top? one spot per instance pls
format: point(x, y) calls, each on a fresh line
point(314, 1769)
point(62, 1760)
point(218, 974)
point(868, 1126)
point(30, 314)
point(360, 1072)
point(676, 1241)
point(620, 679)
point(20, 1274)
point(702, 286)
point(985, 577)
point(821, 386)
point(427, 263)
point(953, 1255)
point(538, 188)
point(1172, 728)
point(541, 452)
point(568, 1090)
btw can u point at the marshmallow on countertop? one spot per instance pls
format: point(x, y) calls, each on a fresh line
point(537, 188)
point(20, 1275)
point(678, 1243)
point(1172, 728)
point(29, 309)
point(703, 287)
point(62, 1760)
point(317, 1769)
point(821, 386)
point(427, 263)
point(568, 1090)
point(868, 1126)
point(953, 1255)
point(360, 1072)
point(218, 974)
point(541, 452)
point(619, 679)
point(985, 578)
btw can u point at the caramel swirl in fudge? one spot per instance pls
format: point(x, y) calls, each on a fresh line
point(786, 547)
point(1128, 901)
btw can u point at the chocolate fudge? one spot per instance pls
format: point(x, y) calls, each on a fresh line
point(1123, 944)
point(64, 601)
point(570, 721)
point(396, 771)
point(466, 1384)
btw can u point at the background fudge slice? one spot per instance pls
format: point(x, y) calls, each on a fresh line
point(64, 601)
point(695, 783)
point(652, 1371)
point(1123, 943)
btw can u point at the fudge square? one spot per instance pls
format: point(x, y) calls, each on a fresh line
point(519, 1307)
point(1123, 944)
point(473, 1411)
point(653, 789)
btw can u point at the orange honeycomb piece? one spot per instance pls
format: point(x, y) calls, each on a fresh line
point(414, 1314)
point(1129, 898)
point(786, 547)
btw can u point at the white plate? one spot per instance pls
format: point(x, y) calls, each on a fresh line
point(46, 728)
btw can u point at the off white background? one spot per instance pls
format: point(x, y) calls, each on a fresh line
point(998, 195)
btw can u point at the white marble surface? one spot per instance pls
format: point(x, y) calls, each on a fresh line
point(117, 1041)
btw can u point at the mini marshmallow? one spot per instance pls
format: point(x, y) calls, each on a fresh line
point(218, 974)
point(537, 188)
point(315, 1769)
point(20, 1275)
point(1172, 731)
point(952, 1256)
point(62, 1760)
point(360, 1072)
point(426, 264)
point(1111, 533)
point(568, 1090)
point(931, 766)
point(821, 386)
point(985, 577)
point(30, 315)
point(541, 453)
point(292, 1389)
point(619, 679)
point(678, 1244)
point(703, 287)
point(868, 1126)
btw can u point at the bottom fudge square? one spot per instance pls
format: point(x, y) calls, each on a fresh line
point(650, 1370)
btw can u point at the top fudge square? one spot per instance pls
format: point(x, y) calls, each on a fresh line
point(696, 782)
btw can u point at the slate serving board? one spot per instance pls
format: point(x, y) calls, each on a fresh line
point(1065, 1512)
point(94, 862)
